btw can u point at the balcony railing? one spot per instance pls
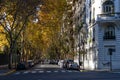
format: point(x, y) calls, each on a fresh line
point(108, 17)
point(109, 38)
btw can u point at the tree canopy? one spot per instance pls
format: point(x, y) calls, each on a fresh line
point(36, 24)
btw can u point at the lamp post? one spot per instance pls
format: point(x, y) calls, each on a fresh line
point(79, 51)
point(110, 53)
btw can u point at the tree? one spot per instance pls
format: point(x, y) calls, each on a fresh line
point(51, 18)
point(3, 41)
point(15, 14)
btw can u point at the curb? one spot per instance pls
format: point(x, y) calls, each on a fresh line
point(7, 73)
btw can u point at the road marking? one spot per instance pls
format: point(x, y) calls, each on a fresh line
point(37, 69)
point(69, 71)
point(76, 71)
point(33, 72)
point(26, 72)
point(41, 71)
point(48, 71)
point(55, 71)
point(7, 73)
point(17, 73)
point(63, 71)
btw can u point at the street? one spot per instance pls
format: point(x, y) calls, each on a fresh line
point(53, 72)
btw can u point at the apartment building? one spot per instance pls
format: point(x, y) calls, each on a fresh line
point(103, 41)
point(99, 37)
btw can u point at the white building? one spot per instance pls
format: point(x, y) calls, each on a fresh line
point(103, 42)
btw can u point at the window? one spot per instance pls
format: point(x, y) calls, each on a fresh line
point(93, 15)
point(90, 17)
point(109, 32)
point(108, 7)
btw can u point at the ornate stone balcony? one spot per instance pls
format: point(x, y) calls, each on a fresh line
point(109, 17)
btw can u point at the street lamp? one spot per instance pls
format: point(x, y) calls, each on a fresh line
point(110, 53)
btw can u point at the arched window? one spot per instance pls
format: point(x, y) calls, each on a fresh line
point(109, 32)
point(108, 6)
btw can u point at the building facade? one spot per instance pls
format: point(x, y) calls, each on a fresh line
point(97, 38)
point(103, 38)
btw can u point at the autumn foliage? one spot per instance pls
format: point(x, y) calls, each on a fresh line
point(39, 38)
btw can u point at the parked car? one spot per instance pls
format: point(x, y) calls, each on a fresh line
point(66, 63)
point(30, 63)
point(46, 61)
point(60, 63)
point(73, 65)
point(53, 61)
point(22, 65)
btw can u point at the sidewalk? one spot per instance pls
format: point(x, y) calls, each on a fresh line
point(103, 70)
point(5, 71)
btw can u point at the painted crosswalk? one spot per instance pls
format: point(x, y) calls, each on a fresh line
point(26, 72)
point(42, 71)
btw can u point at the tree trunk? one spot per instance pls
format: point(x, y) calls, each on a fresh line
point(10, 58)
point(10, 61)
point(10, 54)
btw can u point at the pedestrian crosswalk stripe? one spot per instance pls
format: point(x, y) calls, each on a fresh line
point(33, 71)
point(17, 73)
point(69, 71)
point(56, 71)
point(41, 71)
point(76, 71)
point(63, 71)
point(37, 69)
point(48, 71)
point(26, 72)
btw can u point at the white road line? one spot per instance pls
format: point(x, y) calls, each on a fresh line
point(33, 71)
point(26, 72)
point(69, 71)
point(55, 71)
point(76, 71)
point(48, 71)
point(63, 71)
point(37, 69)
point(41, 71)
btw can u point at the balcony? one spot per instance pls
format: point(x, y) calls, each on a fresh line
point(108, 17)
point(109, 38)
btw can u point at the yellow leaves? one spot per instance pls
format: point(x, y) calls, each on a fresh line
point(41, 35)
point(3, 40)
point(52, 10)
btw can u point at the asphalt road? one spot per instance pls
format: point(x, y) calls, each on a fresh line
point(53, 72)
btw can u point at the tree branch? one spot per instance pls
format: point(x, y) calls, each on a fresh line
point(4, 27)
point(23, 26)
point(15, 15)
